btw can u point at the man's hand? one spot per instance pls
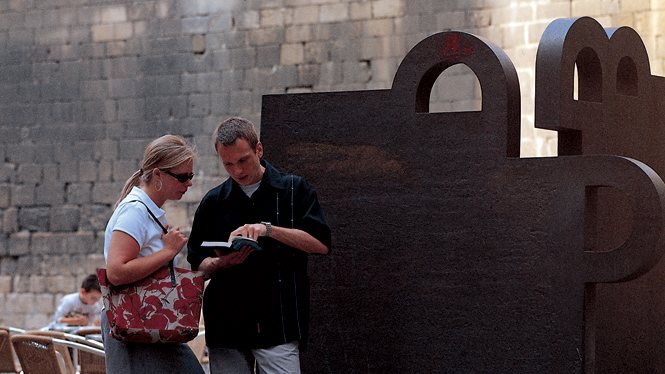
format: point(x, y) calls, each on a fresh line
point(75, 320)
point(292, 237)
point(211, 265)
point(252, 231)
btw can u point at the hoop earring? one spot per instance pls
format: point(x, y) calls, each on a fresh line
point(160, 186)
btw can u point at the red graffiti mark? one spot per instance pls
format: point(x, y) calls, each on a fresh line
point(456, 47)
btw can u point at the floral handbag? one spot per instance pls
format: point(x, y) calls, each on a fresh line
point(164, 307)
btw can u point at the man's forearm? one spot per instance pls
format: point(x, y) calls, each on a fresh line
point(298, 239)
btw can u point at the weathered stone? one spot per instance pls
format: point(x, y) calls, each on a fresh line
point(19, 243)
point(34, 219)
point(83, 87)
point(65, 218)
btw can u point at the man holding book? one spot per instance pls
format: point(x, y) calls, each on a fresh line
point(256, 306)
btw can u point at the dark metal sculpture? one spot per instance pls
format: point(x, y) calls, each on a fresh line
point(452, 254)
point(618, 109)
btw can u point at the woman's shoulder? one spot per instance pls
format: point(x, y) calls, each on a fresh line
point(130, 207)
point(130, 211)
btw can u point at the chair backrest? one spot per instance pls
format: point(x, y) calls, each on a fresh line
point(91, 363)
point(8, 359)
point(12, 330)
point(38, 355)
point(63, 351)
point(85, 331)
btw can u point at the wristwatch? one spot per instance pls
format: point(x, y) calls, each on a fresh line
point(268, 228)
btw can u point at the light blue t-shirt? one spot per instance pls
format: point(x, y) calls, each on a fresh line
point(72, 304)
point(133, 219)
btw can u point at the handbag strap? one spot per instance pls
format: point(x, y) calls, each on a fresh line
point(173, 282)
point(151, 214)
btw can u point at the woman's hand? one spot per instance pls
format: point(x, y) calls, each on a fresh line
point(123, 264)
point(174, 240)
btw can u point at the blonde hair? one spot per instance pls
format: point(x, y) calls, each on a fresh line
point(165, 152)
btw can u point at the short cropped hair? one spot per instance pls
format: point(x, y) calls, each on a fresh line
point(91, 282)
point(234, 128)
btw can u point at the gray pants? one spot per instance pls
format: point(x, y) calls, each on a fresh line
point(143, 358)
point(281, 359)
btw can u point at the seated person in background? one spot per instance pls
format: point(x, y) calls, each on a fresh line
point(81, 308)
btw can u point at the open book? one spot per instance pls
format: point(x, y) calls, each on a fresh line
point(235, 244)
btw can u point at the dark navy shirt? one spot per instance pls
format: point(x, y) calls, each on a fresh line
point(264, 301)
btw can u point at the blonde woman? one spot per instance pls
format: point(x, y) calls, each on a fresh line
point(135, 247)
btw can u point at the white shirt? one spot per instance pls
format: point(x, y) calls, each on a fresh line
point(71, 304)
point(133, 219)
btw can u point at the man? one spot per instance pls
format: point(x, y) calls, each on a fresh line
point(256, 306)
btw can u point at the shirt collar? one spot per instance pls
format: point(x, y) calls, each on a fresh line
point(138, 194)
point(271, 177)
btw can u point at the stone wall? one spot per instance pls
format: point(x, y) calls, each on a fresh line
point(86, 84)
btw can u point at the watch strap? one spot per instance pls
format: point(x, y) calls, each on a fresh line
point(268, 226)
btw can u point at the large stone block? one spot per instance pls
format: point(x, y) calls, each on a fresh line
point(62, 284)
point(107, 193)
point(102, 33)
point(34, 219)
point(5, 197)
point(19, 243)
point(38, 286)
point(65, 218)
point(23, 303)
point(388, 8)
point(51, 194)
point(95, 216)
point(95, 261)
point(335, 12)
point(267, 57)
point(37, 321)
point(5, 286)
point(304, 15)
point(81, 243)
point(9, 220)
point(43, 244)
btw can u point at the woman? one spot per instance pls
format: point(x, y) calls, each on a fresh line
point(135, 247)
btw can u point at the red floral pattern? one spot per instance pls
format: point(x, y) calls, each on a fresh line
point(151, 310)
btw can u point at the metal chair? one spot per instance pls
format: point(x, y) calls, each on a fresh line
point(41, 354)
point(91, 363)
point(81, 354)
point(63, 351)
point(38, 355)
point(8, 359)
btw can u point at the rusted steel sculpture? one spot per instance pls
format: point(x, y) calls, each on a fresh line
point(451, 253)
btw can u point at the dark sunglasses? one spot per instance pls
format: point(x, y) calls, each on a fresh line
point(182, 178)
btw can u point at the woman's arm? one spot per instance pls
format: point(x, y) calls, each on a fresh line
point(122, 264)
